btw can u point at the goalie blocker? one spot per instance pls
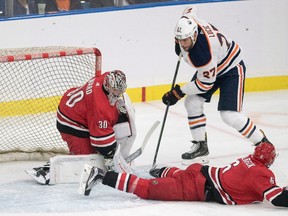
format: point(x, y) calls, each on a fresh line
point(69, 168)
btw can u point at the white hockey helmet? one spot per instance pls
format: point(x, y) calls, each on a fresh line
point(186, 27)
point(115, 85)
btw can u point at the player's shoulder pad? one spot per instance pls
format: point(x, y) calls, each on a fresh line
point(200, 55)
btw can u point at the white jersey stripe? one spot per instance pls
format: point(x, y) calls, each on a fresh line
point(240, 87)
point(216, 182)
point(72, 126)
point(70, 122)
point(103, 145)
point(125, 186)
point(102, 138)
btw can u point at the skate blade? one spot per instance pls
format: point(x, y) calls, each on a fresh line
point(40, 179)
point(201, 160)
point(83, 179)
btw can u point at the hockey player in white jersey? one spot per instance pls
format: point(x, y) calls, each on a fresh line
point(219, 65)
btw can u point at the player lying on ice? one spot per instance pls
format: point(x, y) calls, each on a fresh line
point(94, 119)
point(247, 180)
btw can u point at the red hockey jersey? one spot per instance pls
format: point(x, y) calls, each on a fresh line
point(86, 112)
point(236, 183)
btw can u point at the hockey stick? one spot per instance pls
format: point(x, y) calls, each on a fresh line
point(166, 112)
point(140, 150)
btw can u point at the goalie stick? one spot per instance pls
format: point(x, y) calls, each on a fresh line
point(139, 151)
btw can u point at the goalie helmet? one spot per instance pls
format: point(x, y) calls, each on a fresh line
point(186, 27)
point(265, 153)
point(115, 85)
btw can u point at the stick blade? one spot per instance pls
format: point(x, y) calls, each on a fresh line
point(140, 150)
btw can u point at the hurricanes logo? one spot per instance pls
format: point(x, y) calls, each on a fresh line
point(179, 29)
point(154, 182)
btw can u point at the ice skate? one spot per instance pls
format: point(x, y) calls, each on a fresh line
point(264, 139)
point(40, 174)
point(198, 153)
point(96, 175)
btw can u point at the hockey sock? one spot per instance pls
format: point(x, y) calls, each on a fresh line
point(127, 183)
point(197, 126)
point(110, 179)
point(242, 124)
point(120, 181)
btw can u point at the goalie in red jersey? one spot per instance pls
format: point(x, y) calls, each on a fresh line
point(247, 180)
point(86, 115)
point(96, 118)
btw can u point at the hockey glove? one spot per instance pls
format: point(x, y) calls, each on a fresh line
point(156, 173)
point(120, 105)
point(173, 96)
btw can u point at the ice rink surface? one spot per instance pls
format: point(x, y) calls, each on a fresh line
point(20, 195)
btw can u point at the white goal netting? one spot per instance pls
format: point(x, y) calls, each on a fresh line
point(31, 85)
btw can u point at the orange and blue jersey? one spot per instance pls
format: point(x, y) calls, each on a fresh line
point(213, 55)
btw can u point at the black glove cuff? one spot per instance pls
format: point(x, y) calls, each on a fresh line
point(178, 92)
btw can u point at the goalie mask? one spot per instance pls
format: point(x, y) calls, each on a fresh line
point(265, 153)
point(115, 85)
point(186, 27)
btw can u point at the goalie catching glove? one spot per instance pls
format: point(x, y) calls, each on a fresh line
point(171, 97)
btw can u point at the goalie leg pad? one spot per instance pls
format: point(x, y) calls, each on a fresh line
point(68, 168)
point(119, 163)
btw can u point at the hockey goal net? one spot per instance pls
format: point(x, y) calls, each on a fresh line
point(31, 85)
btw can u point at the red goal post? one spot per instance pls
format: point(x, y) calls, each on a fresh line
point(32, 83)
